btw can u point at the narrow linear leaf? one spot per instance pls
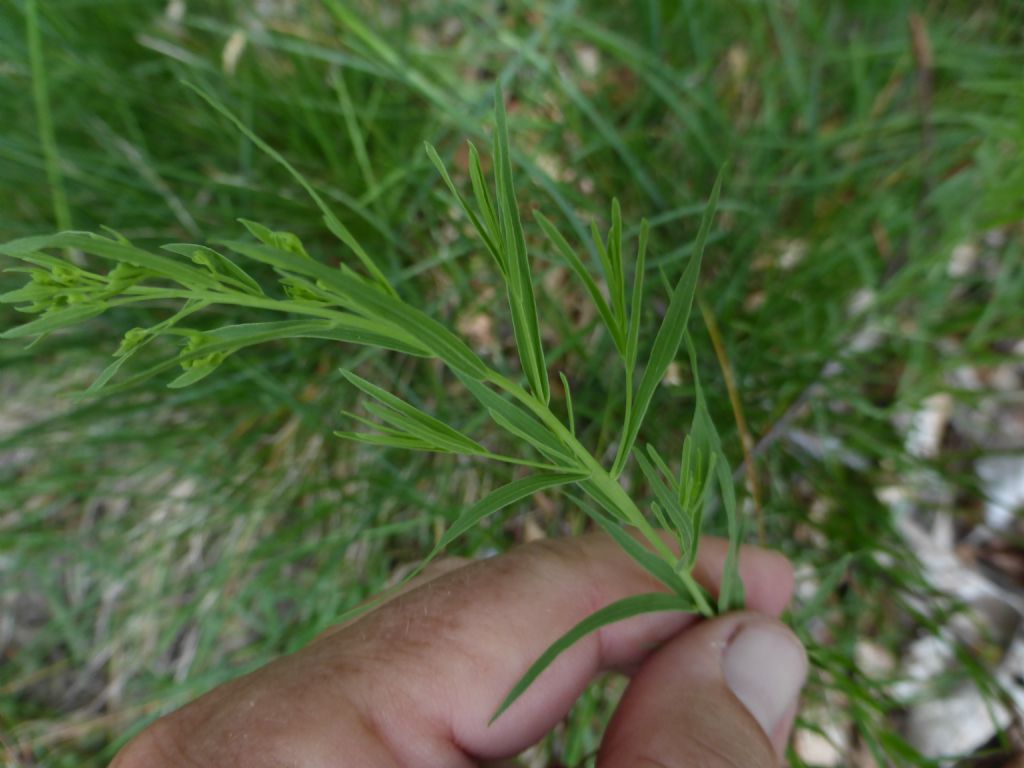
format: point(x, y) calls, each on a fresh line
point(660, 517)
point(618, 287)
point(53, 321)
point(384, 439)
point(483, 197)
point(607, 268)
point(330, 219)
point(657, 566)
point(231, 338)
point(568, 403)
point(117, 251)
point(523, 425)
point(419, 423)
point(219, 263)
point(525, 323)
point(636, 305)
point(107, 374)
point(669, 336)
point(484, 228)
point(503, 497)
point(193, 375)
point(375, 305)
point(668, 503)
point(580, 270)
point(493, 502)
point(706, 440)
point(618, 611)
point(351, 329)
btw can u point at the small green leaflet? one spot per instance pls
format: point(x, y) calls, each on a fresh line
point(623, 609)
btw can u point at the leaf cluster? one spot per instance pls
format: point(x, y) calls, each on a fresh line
point(357, 304)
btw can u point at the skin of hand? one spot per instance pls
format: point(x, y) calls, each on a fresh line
point(415, 681)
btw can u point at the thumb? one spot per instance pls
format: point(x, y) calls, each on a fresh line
point(723, 693)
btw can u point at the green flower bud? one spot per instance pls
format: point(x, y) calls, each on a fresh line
point(125, 275)
point(287, 241)
point(131, 340)
point(202, 259)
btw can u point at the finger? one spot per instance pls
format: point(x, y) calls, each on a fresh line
point(459, 644)
point(720, 695)
point(432, 571)
point(415, 681)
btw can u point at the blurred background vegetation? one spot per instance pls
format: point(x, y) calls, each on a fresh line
point(862, 309)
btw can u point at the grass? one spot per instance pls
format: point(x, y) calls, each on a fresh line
point(154, 542)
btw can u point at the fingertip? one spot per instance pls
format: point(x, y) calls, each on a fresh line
point(720, 694)
point(768, 578)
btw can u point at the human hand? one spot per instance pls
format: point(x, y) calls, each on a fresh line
point(415, 681)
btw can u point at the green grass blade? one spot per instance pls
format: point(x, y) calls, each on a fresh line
point(351, 329)
point(194, 375)
point(495, 501)
point(607, 268)
point(44, 117)
point(669, 336)
point(826, 591)
point(618, 611)
point(384, 439)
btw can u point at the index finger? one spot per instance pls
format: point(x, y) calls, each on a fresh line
point(455, 647)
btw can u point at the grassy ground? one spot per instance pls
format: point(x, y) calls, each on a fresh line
point(155, 542)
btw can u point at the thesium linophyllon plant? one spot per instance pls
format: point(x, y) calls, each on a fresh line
point(360, 306)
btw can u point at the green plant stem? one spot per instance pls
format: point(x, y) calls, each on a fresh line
point(608, 485)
